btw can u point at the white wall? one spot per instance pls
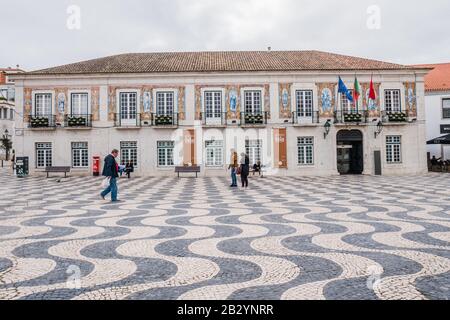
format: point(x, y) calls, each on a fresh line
point(433, 107)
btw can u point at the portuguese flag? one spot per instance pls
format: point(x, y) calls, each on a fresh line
point(356, 91)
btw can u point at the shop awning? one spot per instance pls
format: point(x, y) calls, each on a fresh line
point(440, 140)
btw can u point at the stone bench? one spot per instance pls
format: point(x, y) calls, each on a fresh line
point(191, 169)
point(57, 170)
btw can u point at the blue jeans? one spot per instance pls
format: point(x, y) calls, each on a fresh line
point(233, 177)
point(111, 188)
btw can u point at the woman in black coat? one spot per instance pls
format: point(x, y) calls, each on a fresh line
point(245, 169)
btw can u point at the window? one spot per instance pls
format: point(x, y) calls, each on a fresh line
point(346, 105)
point(253, 150)
point(305, 146)
point(393, 149)
point(11, 94)
point(43, 155)
point(128, 152)
point(165, 153)
point(214, 153)
point(304, 103)
point(79, 103)
point(12, 114)
point(252, 102)
point(43, 104)
point(128, 105)
point(164, 103)
point(392, 101)
point(213, 104)
point(5, 113)
point(446, 108)
point(80, 155)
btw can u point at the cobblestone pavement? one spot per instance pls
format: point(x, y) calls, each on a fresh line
point(351, 237)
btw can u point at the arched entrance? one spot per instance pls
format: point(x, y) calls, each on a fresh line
point(350, 156)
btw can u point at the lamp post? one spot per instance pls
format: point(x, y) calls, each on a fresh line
point(379, 129)
point(327, 128)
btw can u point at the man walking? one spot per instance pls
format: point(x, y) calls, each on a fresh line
point(110, 169)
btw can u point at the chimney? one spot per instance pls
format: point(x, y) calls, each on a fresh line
point(269, 49)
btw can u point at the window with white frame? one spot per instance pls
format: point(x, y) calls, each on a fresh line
point(128, 105)
point(305, 147)
point(214, 153)
point(392, 100)
point(12, 114)
point(128, 152)
point(165, 153)
point(304, 103)
point(79, 104)
point(43, 104)
point(165, 102)
point(43, 154)
point(213, 104)
point(252, 102)
point(394, 149)
point(446, 108)
point(80, 155)
point(346, 104)
point(253, 150)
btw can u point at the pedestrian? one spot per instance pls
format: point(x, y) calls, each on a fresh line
point(233, 166)
point(129, 168)
point(257, 168)
point(245, 169)
point(111, 171)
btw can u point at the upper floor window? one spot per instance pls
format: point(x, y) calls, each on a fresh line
point(446, 108)
point(304, 103)
point(346, 105)
point(213, 104)
point(43, 104)
point(392, 101)
point(165, 102)
point(252, 102)
point(79, 103)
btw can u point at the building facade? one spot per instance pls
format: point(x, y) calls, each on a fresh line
point(437, 107)
point(7, 103)
point(175, 109)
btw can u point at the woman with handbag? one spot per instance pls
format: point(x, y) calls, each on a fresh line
point(245, 169)
point(234, 168)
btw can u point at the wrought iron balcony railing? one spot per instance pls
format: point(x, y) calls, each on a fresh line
point(164, 119)
point(78, 120)
point(127, 120)
point(254, 118)
point(305, 117)
point(213, 119)
point(42, 121)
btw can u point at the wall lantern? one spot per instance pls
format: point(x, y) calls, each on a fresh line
point(327, 127)
point(379, 128)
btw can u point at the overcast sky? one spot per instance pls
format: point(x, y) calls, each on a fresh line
point(37, 35)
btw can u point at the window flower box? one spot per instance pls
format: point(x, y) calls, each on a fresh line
point(164, 120)
point(39, 122)
point(74, 121)
point(254, 119)
point(352, 117)
point(396, 116)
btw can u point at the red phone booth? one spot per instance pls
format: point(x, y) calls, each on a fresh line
point(96, 166)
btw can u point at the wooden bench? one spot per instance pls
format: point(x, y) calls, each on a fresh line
point(57, 169)
point(192, 169)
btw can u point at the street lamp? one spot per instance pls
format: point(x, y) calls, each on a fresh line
point(379, 129)
point(327, 128)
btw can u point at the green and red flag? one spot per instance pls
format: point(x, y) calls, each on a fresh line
point(357, 90)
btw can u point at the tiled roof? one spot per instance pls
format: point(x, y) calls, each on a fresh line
point(439, 78)
point(237, 61)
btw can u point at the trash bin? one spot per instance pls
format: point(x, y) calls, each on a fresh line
point(96, 166)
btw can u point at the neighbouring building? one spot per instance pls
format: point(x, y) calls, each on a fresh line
point(7, 103)
point(437, 108)
point(282, 108)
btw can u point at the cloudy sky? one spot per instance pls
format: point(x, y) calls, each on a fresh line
point(403, 31)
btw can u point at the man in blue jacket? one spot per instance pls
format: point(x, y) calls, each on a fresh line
point(110, 170)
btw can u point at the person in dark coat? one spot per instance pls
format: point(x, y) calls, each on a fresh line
point(111, 170)
point(129, 168)
point(245, 169)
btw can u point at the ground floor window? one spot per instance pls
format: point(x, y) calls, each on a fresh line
point(128, 152)
point(80, 155)
point(165, 153)
point(253, 150)
point(305, 147)
point(394, 149)
point(43, 154)
point(214, 153)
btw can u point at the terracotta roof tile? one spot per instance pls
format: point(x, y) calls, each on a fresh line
point(237, 61)
point(439, 78)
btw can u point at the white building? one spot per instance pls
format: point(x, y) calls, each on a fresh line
point(437, 107)
point(171, 109)
point(7, 103)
